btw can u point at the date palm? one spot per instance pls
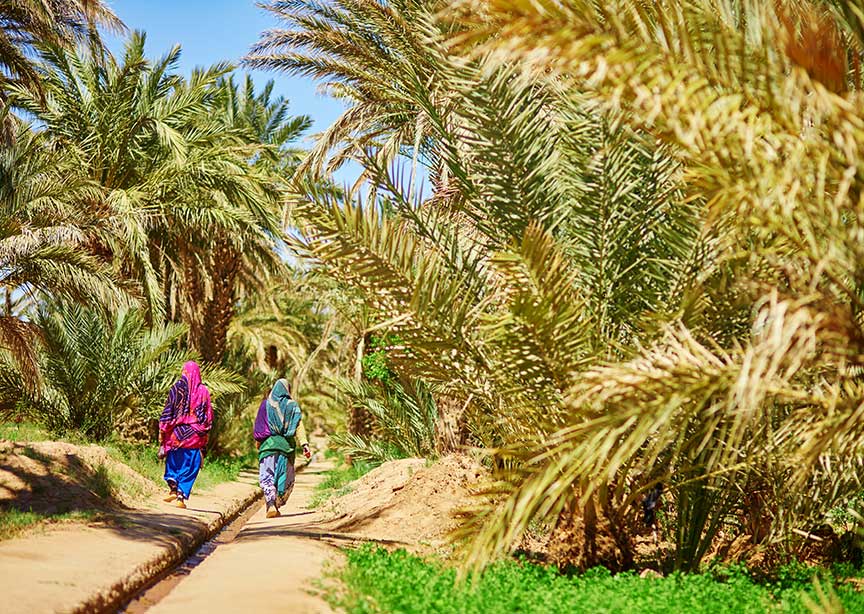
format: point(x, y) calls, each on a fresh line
point(172, 174)
point(42, 243)
point(373, 55)
point(240, 264)
point(512, 180)
point(644, 265)
point(768, 136)
point(26, 25)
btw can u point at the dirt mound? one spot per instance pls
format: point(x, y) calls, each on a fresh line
point(406, 501)
point(55, 477)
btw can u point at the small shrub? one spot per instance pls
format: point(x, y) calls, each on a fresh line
point(404, 417)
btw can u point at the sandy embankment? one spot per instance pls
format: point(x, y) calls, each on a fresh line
point(73, 567)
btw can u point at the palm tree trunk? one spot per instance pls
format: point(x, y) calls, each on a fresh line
point(590, 536)
point(211, 337)
point(193, 297)
point(360, 421)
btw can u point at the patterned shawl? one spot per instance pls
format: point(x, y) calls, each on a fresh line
point(278, 415)
point(188, 414)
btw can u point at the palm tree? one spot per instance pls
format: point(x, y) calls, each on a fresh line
point(644, 265)
point(175, 178)
point(26, 25)
point(769, 139)
point(240, 264)
point(512, 177)
point(104, 375)
point(375, 56)
point(42, 242)
point(265, 120)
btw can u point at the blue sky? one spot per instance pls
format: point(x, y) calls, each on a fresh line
point(212, 30)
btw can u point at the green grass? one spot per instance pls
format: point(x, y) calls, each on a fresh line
point(144, 460)
point(337, 482)
point(14, 522)
point(23, 432)
point(140, 457)
point(375, 581)
point(224, 469)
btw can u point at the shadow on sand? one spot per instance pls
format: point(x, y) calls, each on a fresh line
point(63, 483)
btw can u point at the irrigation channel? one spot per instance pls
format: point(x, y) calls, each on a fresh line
point(165, 582)
point(235, 571)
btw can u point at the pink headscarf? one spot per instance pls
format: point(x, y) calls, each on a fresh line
point(188, 414)
point(198, 393)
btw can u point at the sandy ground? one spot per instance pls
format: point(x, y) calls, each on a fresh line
point(271, 565)
point(264, 565)
point(52, 477)
point(276, 565)
point(71, 568)
point(408, 503)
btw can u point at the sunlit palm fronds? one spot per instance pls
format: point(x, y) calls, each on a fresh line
point(406, 281)
point(100, 374)
point(42, 240)
point(682, 414)
point(769, 141)
point(265, 119)
point(405, 418)
point(370, 53)
point(27, 25)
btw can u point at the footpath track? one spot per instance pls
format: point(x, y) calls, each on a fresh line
point(95, 567)
point(258, 565)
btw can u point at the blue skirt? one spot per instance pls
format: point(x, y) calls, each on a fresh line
point(181, 469)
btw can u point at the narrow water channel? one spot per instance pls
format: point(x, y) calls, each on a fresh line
point(152, 595)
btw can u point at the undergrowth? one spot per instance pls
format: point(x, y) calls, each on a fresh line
point(23, 431)
point(214, 469)
point(375, 581)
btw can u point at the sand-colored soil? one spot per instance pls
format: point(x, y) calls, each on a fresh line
point(270, 565)
point(407, 502)
point(74, 567)
point(50, 477)
point(275, 565)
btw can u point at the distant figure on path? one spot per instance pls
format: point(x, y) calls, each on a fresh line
point(278, 430)
point(183, 428)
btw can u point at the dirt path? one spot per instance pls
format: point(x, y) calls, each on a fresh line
point(271, 565)
point(91, 567)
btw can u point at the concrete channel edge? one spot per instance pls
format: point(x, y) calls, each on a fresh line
point(181, 548)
